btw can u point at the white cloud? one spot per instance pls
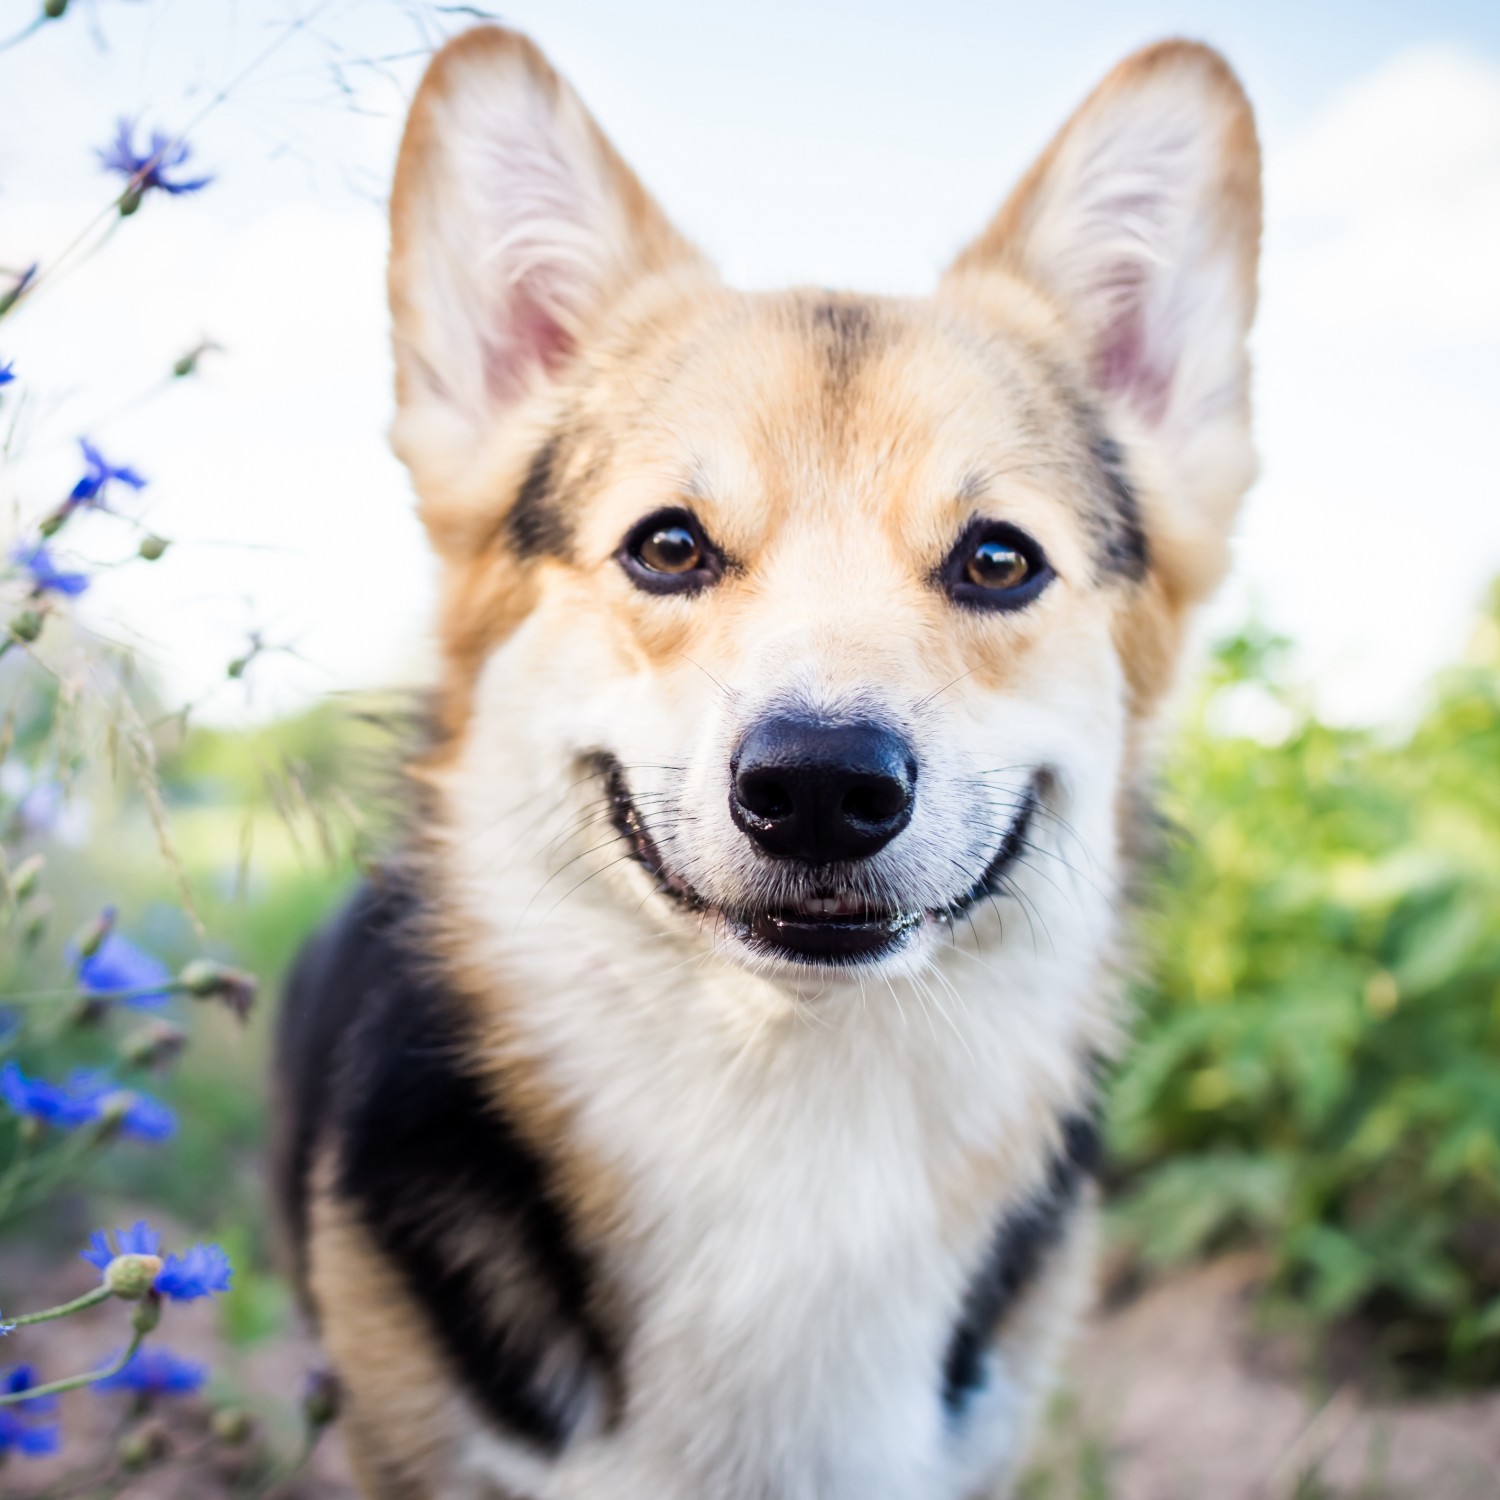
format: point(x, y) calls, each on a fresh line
point(1377, 522)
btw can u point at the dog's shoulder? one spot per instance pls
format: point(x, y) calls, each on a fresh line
point(389, 1109)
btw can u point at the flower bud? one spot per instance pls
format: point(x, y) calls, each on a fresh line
point(26, 876)
point(26, 626)
point(233, 1426)
point(132, 1276)
point(113, 1108)
point(154, 1045)
point(130, 200)
point(36, 924)
point(152, 547)
point(147, 1313)
point(87, 939)
point(50, 525)
point(322, 1396)
point(54, 9)
point(148, 1444)
point(206, 980)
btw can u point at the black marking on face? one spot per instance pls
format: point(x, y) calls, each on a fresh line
point(1124, 546)
point(847, 328)
point(536, 525)
point(443, 1182)
point(1017, 1254)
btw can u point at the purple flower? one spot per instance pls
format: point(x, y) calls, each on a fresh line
point(140, 1115)
point(84, 1099)
point(149, 171)
point(7, 373)
point(98, 474)
point(155, 1371)
point(117, 964)
point(20, 1432)
point(52, 1104)
point(201, 1272)
point(139, 1239)
point(46, 576)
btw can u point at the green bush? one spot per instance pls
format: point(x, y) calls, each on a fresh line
point(1318, 1068)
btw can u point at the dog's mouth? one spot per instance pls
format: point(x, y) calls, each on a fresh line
point(823, 927)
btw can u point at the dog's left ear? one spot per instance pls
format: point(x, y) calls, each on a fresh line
point(1140, 223)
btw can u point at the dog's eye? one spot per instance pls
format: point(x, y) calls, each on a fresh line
point(673, 549)
point(995, 566)
point(667, 553)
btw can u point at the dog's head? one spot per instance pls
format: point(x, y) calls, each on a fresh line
point(812, 624)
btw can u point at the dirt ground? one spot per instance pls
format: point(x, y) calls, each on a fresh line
point(1175, 1395)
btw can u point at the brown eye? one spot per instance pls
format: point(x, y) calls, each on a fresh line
point(994, 565)
point(668, 553)
point(673, 549)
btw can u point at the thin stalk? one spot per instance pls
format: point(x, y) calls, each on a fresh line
point(75, 1382)
point(63, 1310)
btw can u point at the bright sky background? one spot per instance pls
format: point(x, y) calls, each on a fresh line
point(838, 143)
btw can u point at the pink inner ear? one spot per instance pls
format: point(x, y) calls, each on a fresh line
point(1125, 361)
point(532, 339)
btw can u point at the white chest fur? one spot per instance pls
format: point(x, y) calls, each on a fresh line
point(807, 1191)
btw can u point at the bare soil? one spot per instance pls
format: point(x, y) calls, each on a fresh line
point(1176, 1395)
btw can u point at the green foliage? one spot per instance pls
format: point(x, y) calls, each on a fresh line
point(1319, 1061)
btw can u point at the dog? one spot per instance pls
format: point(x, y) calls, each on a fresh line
point(700, 1104)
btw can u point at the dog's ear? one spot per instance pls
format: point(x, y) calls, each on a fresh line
point(1141, 224)
point(514, 227)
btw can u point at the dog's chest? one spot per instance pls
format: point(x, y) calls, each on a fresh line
point(798, 1234)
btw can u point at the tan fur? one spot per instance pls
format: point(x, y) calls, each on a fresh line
point(403, 1413)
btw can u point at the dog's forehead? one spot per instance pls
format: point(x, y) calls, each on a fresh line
point(769, 409)
point(827, 380)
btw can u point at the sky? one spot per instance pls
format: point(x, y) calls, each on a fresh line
point(842, 144)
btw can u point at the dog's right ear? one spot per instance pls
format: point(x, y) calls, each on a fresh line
point(514, 227)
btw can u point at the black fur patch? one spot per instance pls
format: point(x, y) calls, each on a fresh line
point(847, 327)
point(442, 1181)
point(1022, 1242)
point(1124, 547)
point(536, 525)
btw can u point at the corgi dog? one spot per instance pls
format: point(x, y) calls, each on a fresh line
point(700, 1104)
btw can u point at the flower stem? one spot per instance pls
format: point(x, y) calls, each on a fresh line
point(275, 1486)
point(78, 1304)
point(75, 1382)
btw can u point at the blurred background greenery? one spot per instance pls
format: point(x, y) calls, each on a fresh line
point(1317, 1065)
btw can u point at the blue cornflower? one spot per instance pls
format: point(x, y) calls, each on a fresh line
point(201, 1272)
point(117, 964)
point(84, 1098)
point(7, 373)
point(138, 1114)
point(149, 171)
point(154, 1371)
point(53, 1104)
point(20, 1432)
point(98, 474)
point(139, 1239)
point(46, 576)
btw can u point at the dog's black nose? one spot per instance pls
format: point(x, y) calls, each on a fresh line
point(808, 789)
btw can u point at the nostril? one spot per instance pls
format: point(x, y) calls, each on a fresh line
point(875, 802)
point(764, 796)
